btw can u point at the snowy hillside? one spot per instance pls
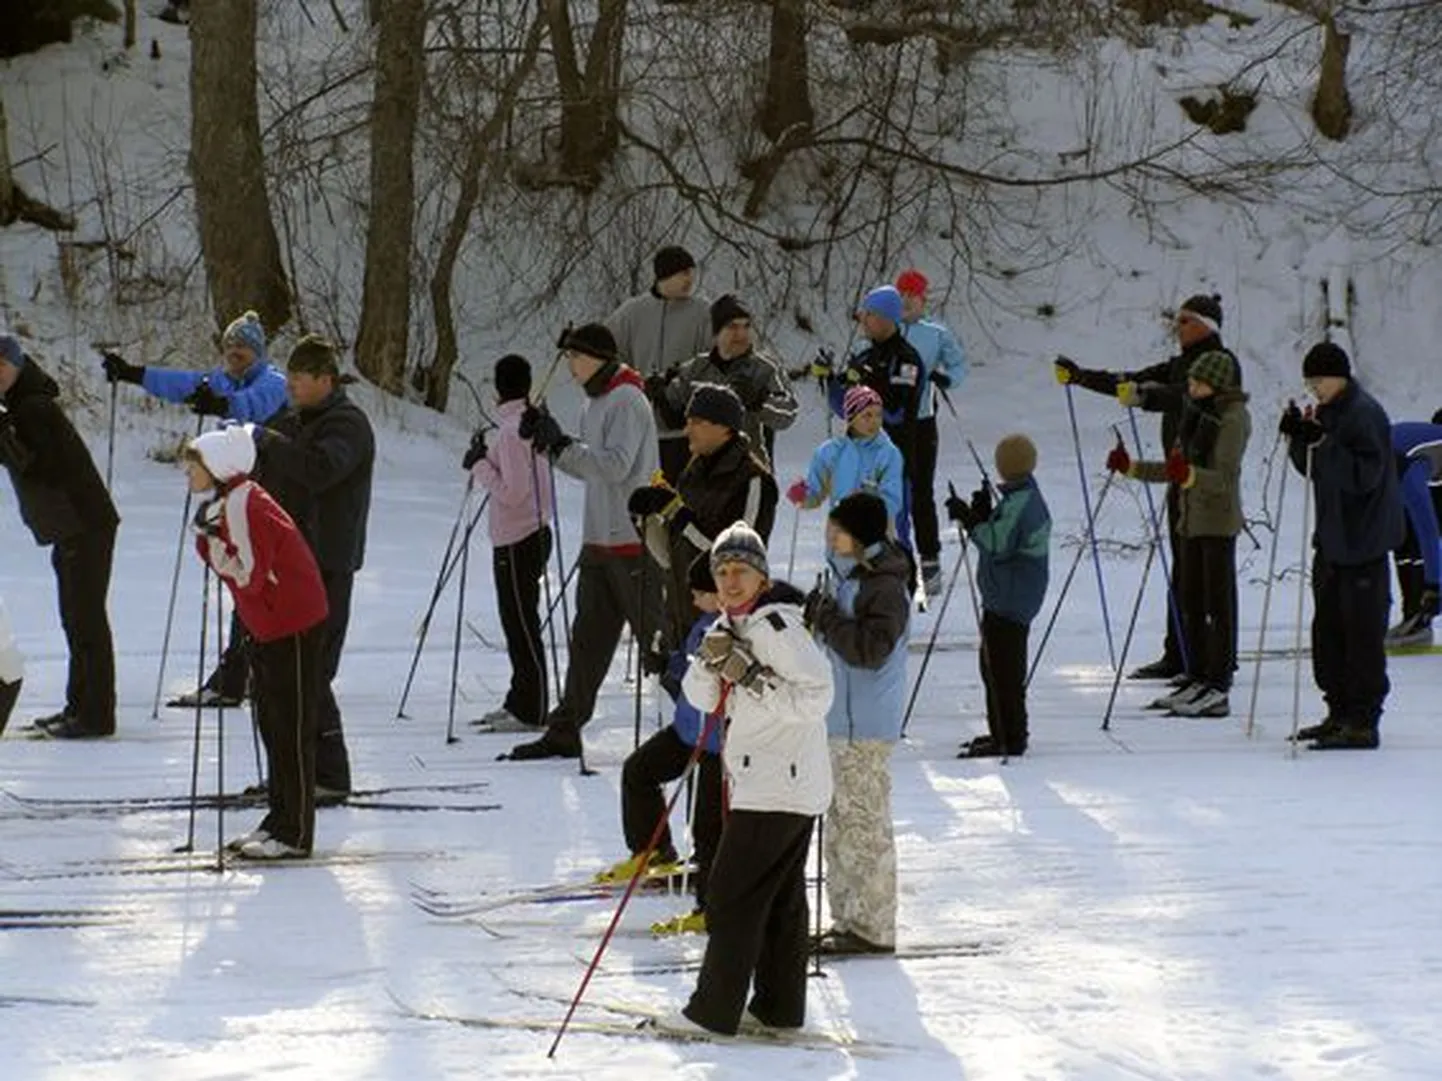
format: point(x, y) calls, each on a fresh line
point(1167, 899)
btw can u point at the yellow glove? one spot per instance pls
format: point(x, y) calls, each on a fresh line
point(853, 375)
point(1129, 394)
point(1065, 370)
point(819, 370)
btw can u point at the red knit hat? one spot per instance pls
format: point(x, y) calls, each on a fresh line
point(912, 283)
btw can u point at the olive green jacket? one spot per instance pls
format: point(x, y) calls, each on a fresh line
point(1211, 503)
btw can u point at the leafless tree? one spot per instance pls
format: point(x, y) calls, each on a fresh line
point(787, 104)
point(589, 91)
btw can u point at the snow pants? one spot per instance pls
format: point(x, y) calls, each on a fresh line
point(517, 570)
point(82, 577)
point(1003, 674)
point(285, 683)
point(1209, 595)
point(332, 763)
point(1349, 633)
point(660, 759)
point(860, 846)
point(756, 924)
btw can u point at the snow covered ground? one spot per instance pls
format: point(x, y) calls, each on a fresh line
point(1171, 900)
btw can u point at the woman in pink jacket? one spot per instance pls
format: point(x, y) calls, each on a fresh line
point(519, 483)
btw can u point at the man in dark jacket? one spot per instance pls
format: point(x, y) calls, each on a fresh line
point(1162, 388)
point(724, 482)
point(320, 455)
point(1345, 447)
point(64, 502)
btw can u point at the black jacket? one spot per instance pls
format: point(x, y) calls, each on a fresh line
point(1354, 480)
point(320, 462)
point(719, 489)
point(1163, 385)
point(59, 490)
point(894, 370)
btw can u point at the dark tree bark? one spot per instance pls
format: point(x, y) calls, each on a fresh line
point(237, 235)
point(1332, 105)
point(590, 96)
point(788, 86)
point(384, 334)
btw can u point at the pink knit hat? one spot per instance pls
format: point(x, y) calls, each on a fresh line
point(857, 399)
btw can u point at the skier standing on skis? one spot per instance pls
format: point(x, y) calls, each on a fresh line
point(1205, 467)
point(1162, 388)
point(943, 369)
point(518, 482)
point(1346, 446)
point(759, 667)
point(861, 617)
point(1418, 448)
point(262, 557)
point(1013, 544)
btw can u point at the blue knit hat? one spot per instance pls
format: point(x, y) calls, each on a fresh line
point(247, 332)
point(10, 351)
point(884, 301)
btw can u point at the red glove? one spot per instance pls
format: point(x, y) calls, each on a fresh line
point(1178, 471)
point(797, 492)
point(1119, 461)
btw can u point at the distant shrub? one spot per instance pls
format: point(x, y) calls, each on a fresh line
point(27, 26)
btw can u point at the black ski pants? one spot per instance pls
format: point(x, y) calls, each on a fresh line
point(756, 919)
point(612, 590)
point(285, 684)
point(332, 763)
point(661, 759)
point(1350, 606)
point(1209, 592)
point(518, 569)
point(82, 578)
point(1003, 674)
point(921, 473)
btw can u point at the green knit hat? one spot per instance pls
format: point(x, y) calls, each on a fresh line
point(1215, 369)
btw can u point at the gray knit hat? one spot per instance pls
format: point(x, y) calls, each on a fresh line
point(739, 543)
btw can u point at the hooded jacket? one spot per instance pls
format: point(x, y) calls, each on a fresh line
point(845, 464)
point(254, 545)
point(865, 634)
point(775, 753)
point(57, 486)
point(756, 378)
point(1213, 438)
point(255, 396)
point(614, 454)
point(1014, 553)
point(653, 334)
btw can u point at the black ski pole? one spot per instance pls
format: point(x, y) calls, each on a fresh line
point(1174, 607)
point(219, 740)
point(816, 942)
point(1131, 629)
point(174, 587)
point(189, 845)
point(451, 736)
point(1091, 522)
point(931, 641)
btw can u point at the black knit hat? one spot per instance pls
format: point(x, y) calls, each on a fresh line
point(726, 308)
point(1326, 358)
point(863, 515)
point(593, 339)
point(512, 377)
point(718, 404)
point(671, 260)
point(699, 578)
point(1207, 305)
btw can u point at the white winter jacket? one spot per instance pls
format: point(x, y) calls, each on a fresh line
point(775, 749)
point(12, 664)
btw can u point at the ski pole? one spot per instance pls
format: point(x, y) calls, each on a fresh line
point(1174, 608)
point(1301, 596)
point(451, 736)
point(219, 739)
point(1131, 629)
point(1267, 591)
point(174, 587)
point(189, 845)
point(1066, 585)
point(110, 443)
point(560, 565)
point(435, 597)
point(791, 557)
point(1091, 522)
point(820, 881)
point(931, 641)
point(645, 857)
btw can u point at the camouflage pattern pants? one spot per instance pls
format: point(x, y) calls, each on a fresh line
point(859, 845)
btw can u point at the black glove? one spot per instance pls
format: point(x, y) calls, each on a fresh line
point(981, 504)
point(205, 402)
point(476, 451)
point(940, 379)
point(543, 431)
point(653, 662)
point(819, 606)
point(1300, 427)
point(656, 384)
point(653, 499)
point(1066, 370)
point(1427, 604)
point(958, 510)
point(117, 370)
point(204, 524)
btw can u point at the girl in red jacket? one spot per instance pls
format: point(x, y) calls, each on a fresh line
point(256, 549)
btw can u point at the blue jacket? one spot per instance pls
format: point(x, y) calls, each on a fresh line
point(688, 720)
point(940, 350)
point(843, 465)
point(1013, 553)
point(865, 632)
point(1354, 480)
point(1418, 448)
point(255, 397)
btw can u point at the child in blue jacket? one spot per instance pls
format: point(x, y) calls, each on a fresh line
point(663, 758)
point(862, 622)
point(1013, 544)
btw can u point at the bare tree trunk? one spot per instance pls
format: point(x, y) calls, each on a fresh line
point(436, 377)
point(788, 87)
point(7, 185)
point(590, 127)
point(130, 24)
point(1332, 105)
point(237, 235)
point(384, 335)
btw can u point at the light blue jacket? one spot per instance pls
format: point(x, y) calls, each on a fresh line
point(843, 465)
point(939, 349)
point(254, 398)
point(865, 636)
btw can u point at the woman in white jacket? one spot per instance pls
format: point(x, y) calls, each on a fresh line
point(759, 668)
point(12, 668)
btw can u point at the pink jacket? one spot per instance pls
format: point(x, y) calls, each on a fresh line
point(518, 479)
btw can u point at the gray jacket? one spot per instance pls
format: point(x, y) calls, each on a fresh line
point(756, 378)
point(614, 454)
point(654, 334)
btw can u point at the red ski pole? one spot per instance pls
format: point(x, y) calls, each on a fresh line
point(711, 720)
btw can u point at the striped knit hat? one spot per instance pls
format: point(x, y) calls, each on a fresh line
point(857, 399)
